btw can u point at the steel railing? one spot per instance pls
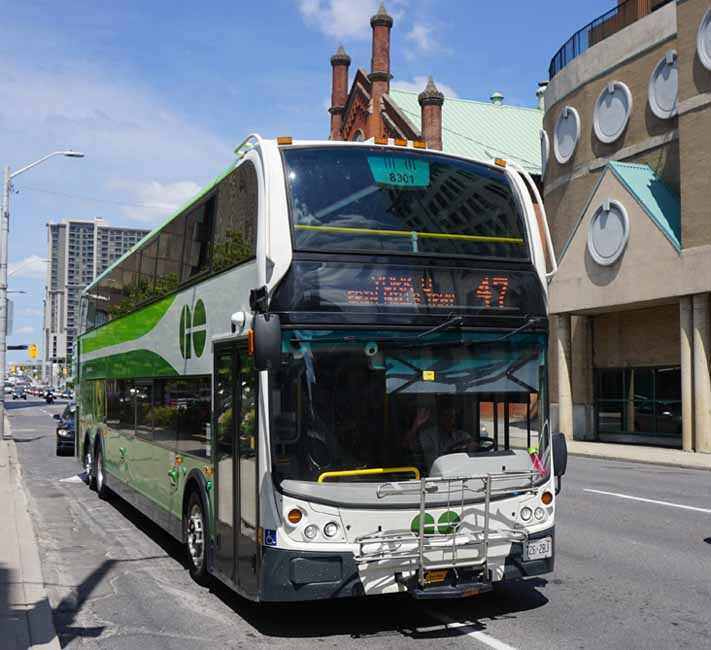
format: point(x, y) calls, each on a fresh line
point(413, 549)
point(602, 27)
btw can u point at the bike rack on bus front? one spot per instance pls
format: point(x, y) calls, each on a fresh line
point(413, 547)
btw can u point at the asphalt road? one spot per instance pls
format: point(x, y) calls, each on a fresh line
point(630, 574)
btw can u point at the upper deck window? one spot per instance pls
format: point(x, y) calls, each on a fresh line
point(378, 200)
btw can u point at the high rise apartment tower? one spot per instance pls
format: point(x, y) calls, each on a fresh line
point(78, 251)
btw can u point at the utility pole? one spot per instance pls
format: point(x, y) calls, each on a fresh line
point(4, 236)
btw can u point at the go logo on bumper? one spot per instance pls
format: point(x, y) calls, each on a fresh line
point(193, 330)
point(446, 524)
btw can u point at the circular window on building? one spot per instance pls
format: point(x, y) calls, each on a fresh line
point(545, 150)
point(608, 233)
point(664, 86)
point(703, 41)
point(612, 111)
point(566, 134)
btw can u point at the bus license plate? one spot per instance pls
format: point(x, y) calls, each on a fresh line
point(539, 549)
point(432, 577)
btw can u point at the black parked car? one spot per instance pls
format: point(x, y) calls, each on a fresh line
point(65, 429)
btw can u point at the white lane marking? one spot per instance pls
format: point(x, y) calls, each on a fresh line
point(659, 503)
point(477, 635)
point(77, 478)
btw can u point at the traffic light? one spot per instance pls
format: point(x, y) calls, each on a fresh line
point(33, 351)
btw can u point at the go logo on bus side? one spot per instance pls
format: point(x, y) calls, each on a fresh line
point(193, 330)
point(446, 524)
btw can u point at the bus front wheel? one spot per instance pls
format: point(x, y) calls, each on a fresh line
point(196, 536)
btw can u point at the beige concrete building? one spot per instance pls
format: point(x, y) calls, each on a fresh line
point(627, 154)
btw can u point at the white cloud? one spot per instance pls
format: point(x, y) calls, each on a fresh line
point(344, 18)
point(24, 330)
point(30, 311)
point(33, 267)
point(153, 199)
point(124, 128)
point(417, 85)
point(422, 36)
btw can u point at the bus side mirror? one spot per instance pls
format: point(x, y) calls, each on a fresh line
point(267, 341)
point(560, 457)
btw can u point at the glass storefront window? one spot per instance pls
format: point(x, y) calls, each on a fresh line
point(638, 402)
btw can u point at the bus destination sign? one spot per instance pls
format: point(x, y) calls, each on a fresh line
point(403, 289)
point(331, 286)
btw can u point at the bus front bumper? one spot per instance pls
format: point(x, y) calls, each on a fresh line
point(299, 575)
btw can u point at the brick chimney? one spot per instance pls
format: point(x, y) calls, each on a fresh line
point(379, 75)
point(339, 91)
point(431, 101)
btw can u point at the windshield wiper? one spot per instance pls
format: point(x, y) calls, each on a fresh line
point(537, 320)
point(457, 322)
point(413, 341)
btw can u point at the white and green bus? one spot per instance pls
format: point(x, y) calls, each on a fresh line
point(326, 375)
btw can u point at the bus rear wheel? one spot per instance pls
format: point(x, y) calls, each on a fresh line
point(196, 536)
point(99, 477)
point(89, 466)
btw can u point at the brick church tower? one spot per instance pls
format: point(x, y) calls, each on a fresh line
point(368, 110)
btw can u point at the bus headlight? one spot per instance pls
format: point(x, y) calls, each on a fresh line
point(526, 514)
point(310, 531)
point(539, 514)
point(330, 529)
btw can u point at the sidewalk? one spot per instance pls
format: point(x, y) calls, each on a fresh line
point(628, 453)
point(640, 454)
point(25, 614)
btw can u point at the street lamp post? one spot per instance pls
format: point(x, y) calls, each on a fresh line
point(4, 236)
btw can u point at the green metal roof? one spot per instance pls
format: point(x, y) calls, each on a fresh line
point(483, 130)
point(654, 196)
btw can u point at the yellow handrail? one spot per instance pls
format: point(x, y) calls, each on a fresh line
point(410, 233)
point(369, 471)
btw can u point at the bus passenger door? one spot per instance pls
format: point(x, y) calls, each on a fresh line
point(224, 386)
point(235, 463)
point(247, 522)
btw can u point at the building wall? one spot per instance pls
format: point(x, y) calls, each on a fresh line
point(629, 56)
point(694, 127)
point(640, 337)
point(628, 315)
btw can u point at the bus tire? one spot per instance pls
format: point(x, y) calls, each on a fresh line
point(99, 476)
point(89, 465)
point(196, 538)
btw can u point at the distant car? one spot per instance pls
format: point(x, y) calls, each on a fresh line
point(19, 393)
point(66, 429)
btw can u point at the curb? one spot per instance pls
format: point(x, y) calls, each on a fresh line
point(638, 461)
point(37, 610)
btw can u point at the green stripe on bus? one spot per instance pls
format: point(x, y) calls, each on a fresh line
point(137, 363)
point(129, 328)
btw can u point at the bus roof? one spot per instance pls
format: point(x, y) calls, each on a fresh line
point(244, 148)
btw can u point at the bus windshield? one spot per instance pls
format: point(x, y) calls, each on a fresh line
point(373, 406)
point(375, 200)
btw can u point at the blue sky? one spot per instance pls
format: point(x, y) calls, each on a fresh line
point(157, 94)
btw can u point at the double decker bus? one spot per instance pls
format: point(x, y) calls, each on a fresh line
point(326, 375)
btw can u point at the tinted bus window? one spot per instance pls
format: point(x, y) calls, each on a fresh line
point(198, 231)
point(146, 276)
point(236, 222)
point(383, 201)
point(170, 247)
